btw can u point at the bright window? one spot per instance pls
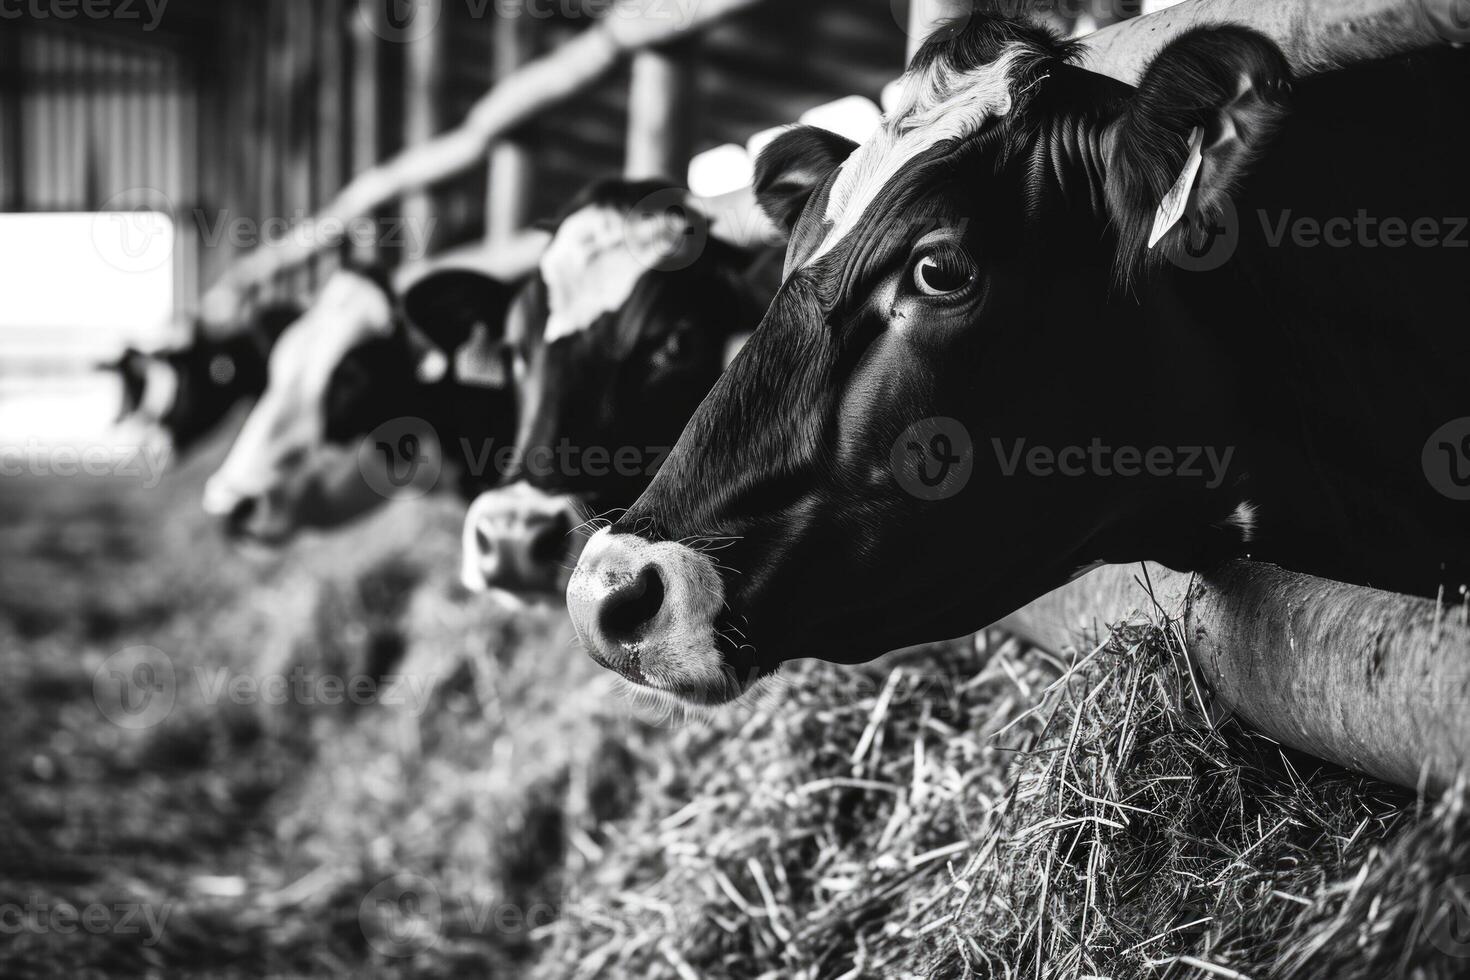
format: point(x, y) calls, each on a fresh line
point(76, 289)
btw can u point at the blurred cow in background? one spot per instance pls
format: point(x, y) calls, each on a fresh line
point(366, 401)
point(186, 391)
point(632, 315)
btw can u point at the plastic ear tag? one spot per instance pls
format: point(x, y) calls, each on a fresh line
point(1172, 208)
point(433, 367)
point(479, 362)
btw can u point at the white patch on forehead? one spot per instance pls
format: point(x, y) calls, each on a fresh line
point(932, 105)
point(596, 259)
point(160, 389)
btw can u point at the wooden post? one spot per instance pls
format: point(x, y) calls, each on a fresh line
point(218, 117)
point(271, 150)
point(660, 101)
point(365, 135)
point(507, 191)
point(300, 62)
point(184, 108)
point(508, 184)
point(423, 79)
point(329, 146)
point(12, 119)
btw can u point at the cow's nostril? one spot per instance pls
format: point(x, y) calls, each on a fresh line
point(484, 544)
point(240, 515)
point(628, 611)
point(549, 544)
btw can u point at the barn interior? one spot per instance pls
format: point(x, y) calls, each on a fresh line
point(328, 758)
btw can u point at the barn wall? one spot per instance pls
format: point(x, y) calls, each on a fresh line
point(90, 122)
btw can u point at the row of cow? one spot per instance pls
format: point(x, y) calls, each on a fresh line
point(1012, 260)
point(627, 323)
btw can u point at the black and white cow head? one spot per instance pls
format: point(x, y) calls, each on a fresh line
point(632, 315)
point(427, 376)
point(186, 391)
point(999, 219)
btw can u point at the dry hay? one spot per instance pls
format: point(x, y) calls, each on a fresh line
point(947, 812)
point(876, 823)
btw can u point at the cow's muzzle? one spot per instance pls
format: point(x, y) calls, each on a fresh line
point(243, 516)
point(647, 611)
point(520, 539)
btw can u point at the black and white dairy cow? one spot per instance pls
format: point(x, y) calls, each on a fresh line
point(631, 316)
point(988, 262)
point(367, 401)
point(186, 391)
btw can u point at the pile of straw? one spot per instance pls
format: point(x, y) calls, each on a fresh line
point(980, 810)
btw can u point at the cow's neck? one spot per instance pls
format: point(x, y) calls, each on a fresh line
point(1151, 372)
point(1167, 382)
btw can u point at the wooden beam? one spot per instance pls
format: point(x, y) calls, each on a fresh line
point(508, 259)
point(535, 87)
point(660, 106)
point(1369, 680)
point(734, 218)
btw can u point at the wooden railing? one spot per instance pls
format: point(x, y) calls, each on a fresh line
point(528, 90)
point(1315, 34)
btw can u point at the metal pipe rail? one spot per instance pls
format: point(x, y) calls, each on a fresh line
point(1370, 680)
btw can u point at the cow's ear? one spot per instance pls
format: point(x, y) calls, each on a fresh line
point(1204, 112)
point(791, 168)
point(446, 306)
point(132, 369)
point(461, 314)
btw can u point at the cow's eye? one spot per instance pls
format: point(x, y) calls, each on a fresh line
point(943, 270)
